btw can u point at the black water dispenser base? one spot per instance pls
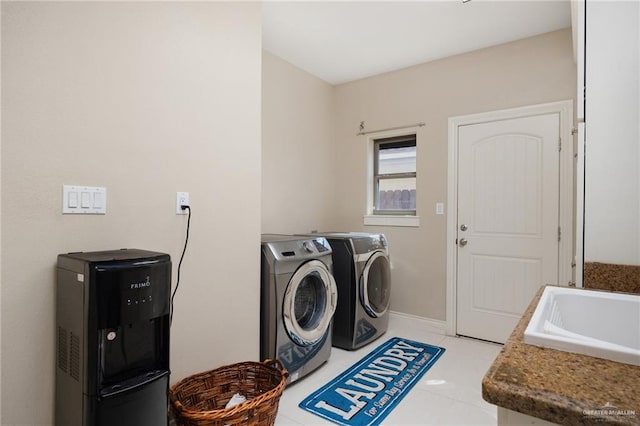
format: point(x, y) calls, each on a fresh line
point(144, 405)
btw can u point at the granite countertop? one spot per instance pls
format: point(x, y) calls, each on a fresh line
point(612, 277)
point(561, 387)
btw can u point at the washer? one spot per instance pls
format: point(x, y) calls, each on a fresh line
point(298, 300)
point(362, 272)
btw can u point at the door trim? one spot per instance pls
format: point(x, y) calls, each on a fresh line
point(566, 204)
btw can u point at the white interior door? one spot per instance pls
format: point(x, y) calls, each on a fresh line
point(508, 215)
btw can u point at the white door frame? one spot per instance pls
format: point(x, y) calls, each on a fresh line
point(566, 205)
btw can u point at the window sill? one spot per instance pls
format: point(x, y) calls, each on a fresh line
point(392, 220)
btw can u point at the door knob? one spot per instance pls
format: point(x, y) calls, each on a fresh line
point(463, 227)
point(463, 242)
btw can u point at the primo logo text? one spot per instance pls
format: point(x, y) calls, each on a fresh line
point(143, 284)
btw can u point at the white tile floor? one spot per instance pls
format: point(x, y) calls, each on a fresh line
point(450, 393)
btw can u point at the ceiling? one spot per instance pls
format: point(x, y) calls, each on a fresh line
point(341, 41)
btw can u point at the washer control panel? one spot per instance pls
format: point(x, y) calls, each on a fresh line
point(304, 248)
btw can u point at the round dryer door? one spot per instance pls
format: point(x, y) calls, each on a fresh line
point(309, 303)
point(375, 285)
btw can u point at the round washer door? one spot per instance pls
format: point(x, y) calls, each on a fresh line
point(309, 303)
point(375, 285)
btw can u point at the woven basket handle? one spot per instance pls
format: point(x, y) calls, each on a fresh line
point(277, 365)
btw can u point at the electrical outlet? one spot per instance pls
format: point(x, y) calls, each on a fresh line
point(182, 199)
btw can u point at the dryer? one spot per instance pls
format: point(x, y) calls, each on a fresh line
point(298, 300)
point(362, 272)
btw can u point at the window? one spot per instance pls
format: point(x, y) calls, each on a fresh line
point(394, 175)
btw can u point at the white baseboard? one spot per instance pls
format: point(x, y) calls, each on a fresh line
point(438, 326)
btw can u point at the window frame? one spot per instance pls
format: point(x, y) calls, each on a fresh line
point(400, 141)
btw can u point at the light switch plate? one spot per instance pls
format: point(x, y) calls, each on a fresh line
point(439, 208)
point(78, 199)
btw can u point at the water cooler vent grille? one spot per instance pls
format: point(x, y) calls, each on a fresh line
point(69, 353)
point(63, 353)
point(74, 369)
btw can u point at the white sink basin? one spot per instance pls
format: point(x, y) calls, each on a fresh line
point(595, 323)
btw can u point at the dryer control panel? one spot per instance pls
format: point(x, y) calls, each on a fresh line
point(369, 243)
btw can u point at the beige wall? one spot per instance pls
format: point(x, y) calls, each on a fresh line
point(526, 72)
point(145, 99)
point(297, 157)
point(612, 133)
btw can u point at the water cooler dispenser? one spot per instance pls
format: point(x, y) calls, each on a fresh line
point(112, 324)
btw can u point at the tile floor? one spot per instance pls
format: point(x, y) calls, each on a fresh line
point(450, 393)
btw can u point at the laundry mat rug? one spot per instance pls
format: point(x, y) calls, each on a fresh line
point(365, 393)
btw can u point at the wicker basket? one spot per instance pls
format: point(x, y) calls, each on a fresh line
point(200, 400)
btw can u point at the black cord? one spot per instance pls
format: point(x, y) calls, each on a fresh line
point(184, 250)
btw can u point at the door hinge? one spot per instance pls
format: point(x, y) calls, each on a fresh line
point(574, 130)
point(559, 144)
point(559, 234)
